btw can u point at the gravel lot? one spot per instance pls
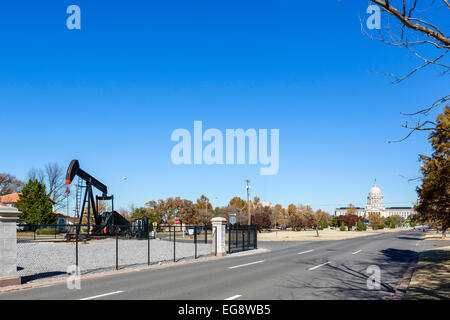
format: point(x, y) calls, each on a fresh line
point(39, 261)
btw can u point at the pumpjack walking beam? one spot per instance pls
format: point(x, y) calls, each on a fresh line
point(75, 170)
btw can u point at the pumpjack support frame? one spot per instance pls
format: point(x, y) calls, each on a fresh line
point(75, 170)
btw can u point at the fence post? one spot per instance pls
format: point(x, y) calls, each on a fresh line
point(174, 240)
point(195, 241)
point(206, 234)
point(117, 248)
point(8, 247)
point(243, 240)
point(255, 234)
point(229, 239)
point(148, 247)
point(76, 245)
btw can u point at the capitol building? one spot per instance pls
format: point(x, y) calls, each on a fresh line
point(375, 205)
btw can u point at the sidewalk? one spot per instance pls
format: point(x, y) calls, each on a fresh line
point(431, 279)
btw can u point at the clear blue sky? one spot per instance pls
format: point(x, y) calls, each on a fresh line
point(111, 94)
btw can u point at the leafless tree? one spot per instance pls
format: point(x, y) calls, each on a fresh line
point(411, 24)
point(52, 175)
point(9, 184)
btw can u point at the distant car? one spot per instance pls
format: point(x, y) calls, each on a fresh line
point(282, 228)
point(196, 230)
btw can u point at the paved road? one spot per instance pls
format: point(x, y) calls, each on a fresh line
point(291, 270)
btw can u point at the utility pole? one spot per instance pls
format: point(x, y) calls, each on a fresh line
point(248, 200)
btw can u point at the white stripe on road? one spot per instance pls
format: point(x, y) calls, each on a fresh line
point(306, 251)
point(357, 252)
point(320, 265)
point(234, 297)
point(244, 265)
point(102, 295)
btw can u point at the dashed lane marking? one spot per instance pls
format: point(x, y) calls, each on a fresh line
point(246, 264)
point(102, 295)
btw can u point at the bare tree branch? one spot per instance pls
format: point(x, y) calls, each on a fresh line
point(425, 111)
point(414, 26)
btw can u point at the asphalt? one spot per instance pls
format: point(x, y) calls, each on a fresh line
point(290, 270)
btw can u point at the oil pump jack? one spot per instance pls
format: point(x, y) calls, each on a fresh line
point(107, 223)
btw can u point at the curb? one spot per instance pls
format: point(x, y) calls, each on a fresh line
point(403, 285)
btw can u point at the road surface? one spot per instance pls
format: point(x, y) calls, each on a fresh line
point(290, 270)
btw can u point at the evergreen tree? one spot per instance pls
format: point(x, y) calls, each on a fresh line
point(35, 204)
point(434, 193)
point(334, 222)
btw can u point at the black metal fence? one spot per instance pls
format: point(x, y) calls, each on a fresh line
point(241, 237)
point(48, 250)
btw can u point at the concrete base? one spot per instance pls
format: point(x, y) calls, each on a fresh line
point(6, 282)
point(219, 254)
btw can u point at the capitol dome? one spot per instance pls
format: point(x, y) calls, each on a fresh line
point(375, 197)
point(375, 191)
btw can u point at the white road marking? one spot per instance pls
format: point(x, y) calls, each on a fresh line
point(306, 251)
point(102, 295)
point(234, 297)
point(418, 242)
point(357, 252)
point(244, 265)
point(320, 265)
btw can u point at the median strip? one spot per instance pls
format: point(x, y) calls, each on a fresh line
point(320, 265)
point(247, 264)
point(102, 295)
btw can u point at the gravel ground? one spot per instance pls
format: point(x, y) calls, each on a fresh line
point(39, 261)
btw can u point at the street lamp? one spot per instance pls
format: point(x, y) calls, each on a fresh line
point(117, 181)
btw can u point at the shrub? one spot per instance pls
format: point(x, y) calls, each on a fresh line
point(392, 225)
point(374, 227)
point(342, 227)
point(361, 226)
point(47, 231)
point(298, 228)
point(381, 226)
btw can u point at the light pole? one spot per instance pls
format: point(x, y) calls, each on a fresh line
point(248, 199)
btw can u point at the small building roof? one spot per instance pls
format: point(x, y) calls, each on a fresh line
point(13, 198)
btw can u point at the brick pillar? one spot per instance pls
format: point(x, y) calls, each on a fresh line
point(219, 224)
point(8, 246)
